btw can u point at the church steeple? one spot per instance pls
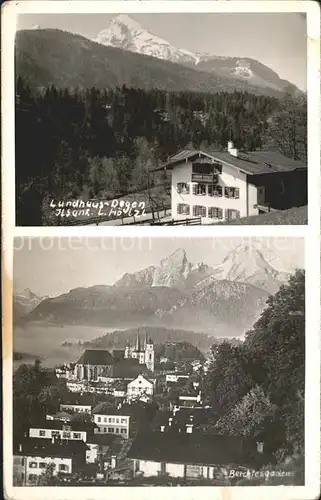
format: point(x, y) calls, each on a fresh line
point(145, 341)
point(137, 345)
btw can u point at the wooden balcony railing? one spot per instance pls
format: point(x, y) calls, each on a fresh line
point(211, 178)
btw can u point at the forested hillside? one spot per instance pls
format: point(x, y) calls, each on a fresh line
point(257, 388)
point(103, 144)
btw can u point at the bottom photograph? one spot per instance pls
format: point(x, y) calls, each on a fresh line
point(158, 361)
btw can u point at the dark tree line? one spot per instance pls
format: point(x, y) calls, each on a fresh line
point(105, 143)
point(257, 389)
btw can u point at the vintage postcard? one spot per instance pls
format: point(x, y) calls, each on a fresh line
point(151, 113)
point(162, 362)
point(161, 357)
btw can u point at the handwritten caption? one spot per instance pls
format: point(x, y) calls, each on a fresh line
point(91, 208)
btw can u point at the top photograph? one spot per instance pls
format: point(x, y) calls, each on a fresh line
point(165, 119)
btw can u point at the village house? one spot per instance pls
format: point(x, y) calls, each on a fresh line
point(77, 386)
point(58, 429)
point(174, 377)
point(139, 387)
point(182, 419)
point(31, 457)
point(60, 415)
point(100, 447)
point(65, 371)
point(76, 408)
point(190, 399)
point(193, 455)
point(226, 185)
point(112, 421)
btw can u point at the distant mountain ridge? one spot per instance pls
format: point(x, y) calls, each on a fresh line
point(66, 60)
point(245, 264)
point(127, 34)
point(25, 302)
point(175, 294)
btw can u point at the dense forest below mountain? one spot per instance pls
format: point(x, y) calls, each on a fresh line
point(94, 143)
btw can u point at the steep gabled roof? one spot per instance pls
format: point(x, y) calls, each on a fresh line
point(252, 163)
point(46, 448)
point(130, 369)
point(118, 354)
point(195, 449)
point(144, 377)
point(96, 357)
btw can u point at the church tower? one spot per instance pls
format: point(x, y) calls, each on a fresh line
point(149, 354)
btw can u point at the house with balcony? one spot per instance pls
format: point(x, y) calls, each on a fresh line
point(227, 185)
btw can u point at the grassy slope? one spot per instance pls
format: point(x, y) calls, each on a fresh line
point(294, 216)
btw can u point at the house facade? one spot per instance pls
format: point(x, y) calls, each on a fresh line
point(228, 185)
point(76, 408)
point(31, 458)
point(113, 422)
point(193, 455)
point(141, 386)
point(56, 429)
point(174, 377)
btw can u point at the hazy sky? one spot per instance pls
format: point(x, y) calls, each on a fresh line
point(277, 40)
point(50, 266)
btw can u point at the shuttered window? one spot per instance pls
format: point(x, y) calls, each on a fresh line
point(232, 192)
point(231, 214)
point(215, 213)
point(183, 209)
point(182, 188)
point(201, 189)
point(215, 190)
point(199, 211)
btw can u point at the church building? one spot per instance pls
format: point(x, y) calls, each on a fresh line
point(144, 354)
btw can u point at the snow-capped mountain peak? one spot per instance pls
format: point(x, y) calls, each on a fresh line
point(127, 34)
point(247, 264)
point(124, 19)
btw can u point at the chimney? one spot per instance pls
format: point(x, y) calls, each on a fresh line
point(113, 462)
point(231, 149)
point(259, 447)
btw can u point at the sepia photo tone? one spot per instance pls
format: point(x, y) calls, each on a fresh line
point(158, 361)
point(161, 119)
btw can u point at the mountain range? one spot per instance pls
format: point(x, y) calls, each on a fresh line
point(25, 302)
point(126, 54)
point(176, 294)
point(127, 34)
